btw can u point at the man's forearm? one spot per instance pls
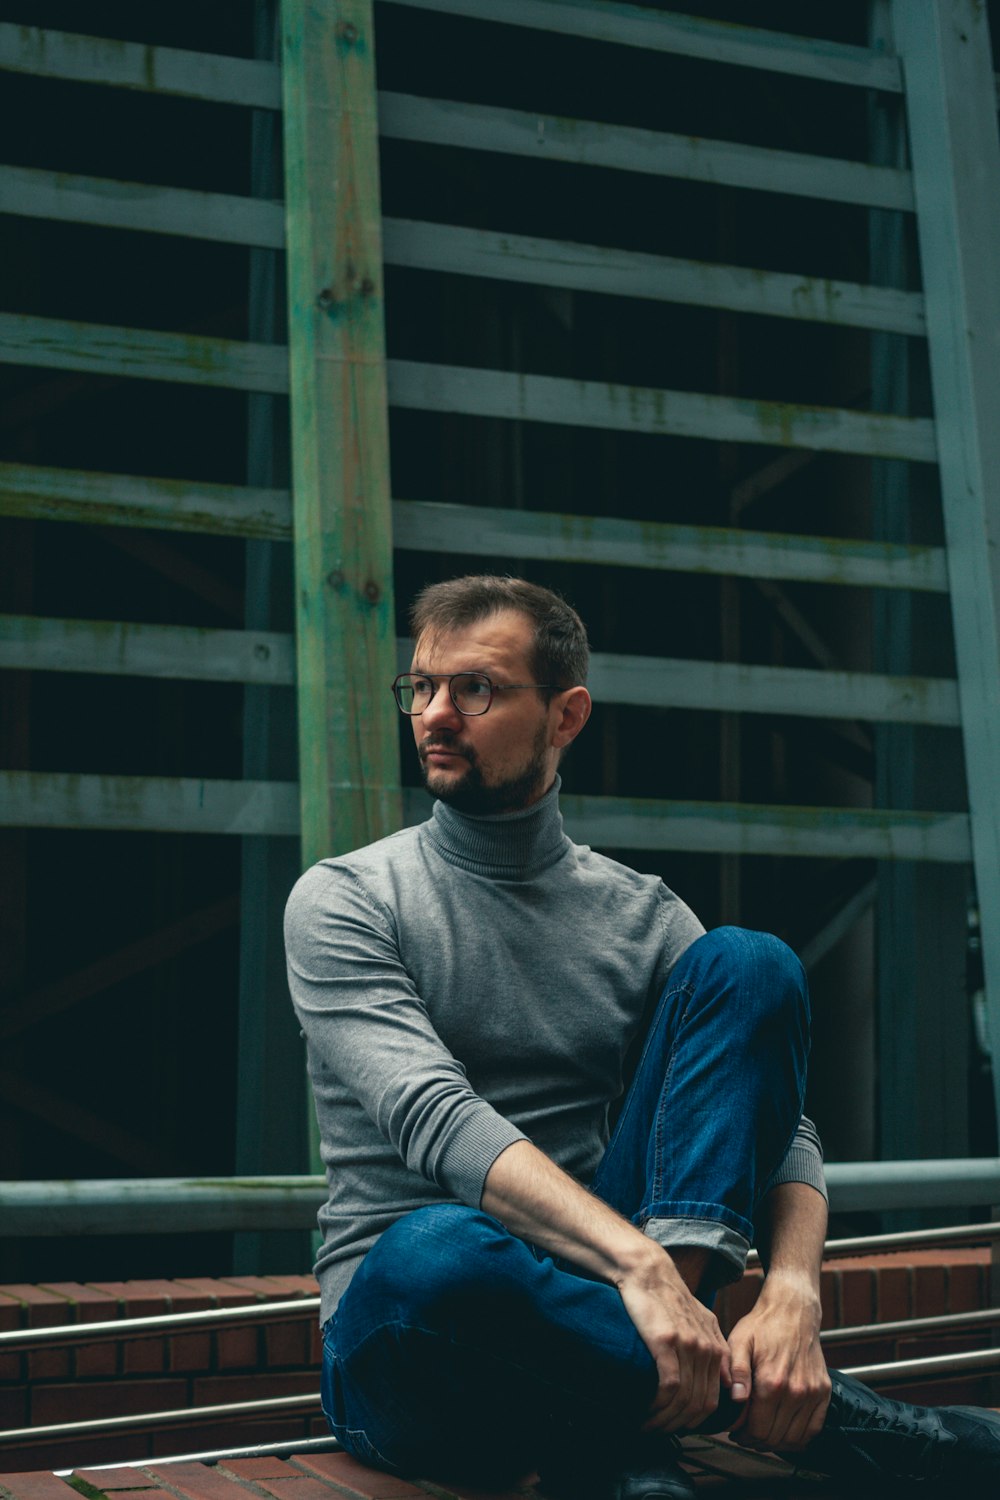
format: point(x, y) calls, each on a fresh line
point(792, 1233)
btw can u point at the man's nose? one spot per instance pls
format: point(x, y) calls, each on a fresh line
point(441, 710)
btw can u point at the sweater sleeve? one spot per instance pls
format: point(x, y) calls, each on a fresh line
point(368, 1029)
point(803, 1160)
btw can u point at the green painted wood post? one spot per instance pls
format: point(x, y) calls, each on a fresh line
point(346, 650)
point(951, 109)
point(342, 539)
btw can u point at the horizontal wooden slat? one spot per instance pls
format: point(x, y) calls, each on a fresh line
point(132, 65)
point(224, 218)
point(67, 198)
point(44, 494)
point(485, 531)
point(48, 799)
point(735, 828)
point(479, 531)
point(627, 273)
point(687, 36)
point(110, 647)
point(101, 349)
point(480, 127)
point(113, 648)
point(592, 403)
point(41, 799)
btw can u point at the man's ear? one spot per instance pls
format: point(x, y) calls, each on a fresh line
point(574, 710)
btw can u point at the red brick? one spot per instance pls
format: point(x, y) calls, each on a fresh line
point(14, 1407)
point(90, 1306)
point(857, 1296)
point(11, 1367)
point(893, 1295)
point(257, 1468)
point(106, 1398)
point(344, 1470)
point(288, 1343)
point(212, 1389)
point(36, 1487)
point(189, 1351)
point(42, 1309)
point(235, 1348)
point(298, 1487)
point(198, 1482)
point(115, 1479)
point(930, 1291)
point(829, 1301)
point(965, 1287)
point(140, 1299)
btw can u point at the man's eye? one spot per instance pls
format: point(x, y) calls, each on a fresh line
point(476, 687)
point(422, 686)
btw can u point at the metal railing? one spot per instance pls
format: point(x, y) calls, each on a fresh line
point(184, 1205)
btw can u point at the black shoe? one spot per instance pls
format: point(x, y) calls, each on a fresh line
point(651, 1471)
point(871, 1439)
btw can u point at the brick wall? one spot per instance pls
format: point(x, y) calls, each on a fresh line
point(238, 1364)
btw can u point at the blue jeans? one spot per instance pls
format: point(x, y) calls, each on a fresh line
point(460, 1351)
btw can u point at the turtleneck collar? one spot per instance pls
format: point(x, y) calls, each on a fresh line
point(503, 846)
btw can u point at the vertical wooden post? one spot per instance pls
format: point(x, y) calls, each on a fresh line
point(951, 112)
point(348, 738)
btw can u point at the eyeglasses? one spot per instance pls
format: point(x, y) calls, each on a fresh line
point(471, 692)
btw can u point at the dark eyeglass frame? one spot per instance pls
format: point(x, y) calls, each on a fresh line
point(449, 678)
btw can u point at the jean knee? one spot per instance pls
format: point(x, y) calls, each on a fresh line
point(432, 1254)
point(766, 968)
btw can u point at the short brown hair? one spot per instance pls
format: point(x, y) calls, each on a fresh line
point(560, 654)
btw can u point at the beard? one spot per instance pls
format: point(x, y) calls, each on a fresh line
point(470, 793)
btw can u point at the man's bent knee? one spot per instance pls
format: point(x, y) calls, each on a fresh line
point(760, 964)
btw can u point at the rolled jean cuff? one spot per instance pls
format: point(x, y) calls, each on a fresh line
point(729, 1248)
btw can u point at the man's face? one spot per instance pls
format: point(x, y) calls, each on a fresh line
point(498, 761)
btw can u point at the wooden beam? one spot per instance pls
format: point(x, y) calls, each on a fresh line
point(951, 112)
point(429, 526)
point(686, 36)
point(621, 408)
point(661, 278)
point(81, 1124)
point(133, 65)
point(267, 657)
point(46, 494)
point(150, 804)
point(40, 799)
point(482, 127)
point(348, 735)
point(67, 198)
point(142, 353)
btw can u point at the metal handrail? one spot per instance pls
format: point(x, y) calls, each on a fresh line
point(902, 1371)
point(286, 1447)
point(984, 1317)
point(134, 1328)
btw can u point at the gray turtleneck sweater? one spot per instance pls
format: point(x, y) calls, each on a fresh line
point(463, 985)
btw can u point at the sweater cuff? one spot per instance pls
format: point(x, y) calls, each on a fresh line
point(801, 1164)
point(466, 1160)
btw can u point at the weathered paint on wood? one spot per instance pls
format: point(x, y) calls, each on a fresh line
point(43, 799)
point(102, 349)
point(622, 408)
point(133, 65)
point(745, 828)
point(70, 198)
point(51, 799)
point(951, 113)
point(46, 494)
point(485, 531)
point(348, 735)
point(687, 36)
point(480, 127)
point(111, 648)
point(429, 526)
point(661, 278)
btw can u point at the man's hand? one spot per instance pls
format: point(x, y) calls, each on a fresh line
point(777, 1360)
point(684, 1339)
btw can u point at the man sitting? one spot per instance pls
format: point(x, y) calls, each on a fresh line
point(506, 1284)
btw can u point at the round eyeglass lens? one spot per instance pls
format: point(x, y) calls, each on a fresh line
point(471, 692)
